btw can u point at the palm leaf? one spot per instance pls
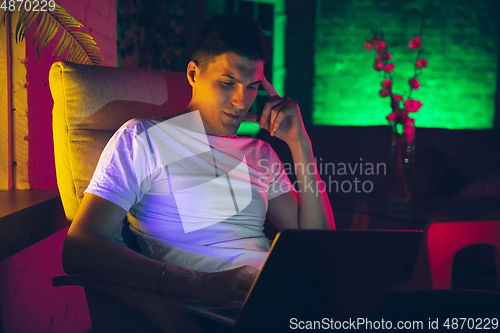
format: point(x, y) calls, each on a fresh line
point(82, 47)
point(3, 16)
point(75, 41)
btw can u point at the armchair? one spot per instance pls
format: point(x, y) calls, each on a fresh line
point(90, 104)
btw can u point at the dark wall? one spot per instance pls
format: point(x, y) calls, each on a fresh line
point(299, 54)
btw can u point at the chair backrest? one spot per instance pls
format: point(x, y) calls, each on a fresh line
point(91, 103)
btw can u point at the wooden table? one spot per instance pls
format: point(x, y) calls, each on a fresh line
point(374, 212)
point(28, 216)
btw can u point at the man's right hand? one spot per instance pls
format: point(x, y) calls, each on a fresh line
point(230, 285)
point(89, 251)
point(218, 287)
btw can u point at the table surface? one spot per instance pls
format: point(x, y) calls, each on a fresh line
point(15, 200)
point(422, 210)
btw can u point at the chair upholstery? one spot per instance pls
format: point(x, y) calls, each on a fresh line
point(165, 313)
point(445, 239)
point(91, 103)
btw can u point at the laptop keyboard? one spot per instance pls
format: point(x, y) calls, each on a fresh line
point(229, 313)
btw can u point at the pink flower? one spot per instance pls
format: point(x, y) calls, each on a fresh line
point(409, 129)
point(368, 45)
point(383, 55)
point(397, 98)
point(414, 84)
point(379, 65)
point(414, 43)
point(378, 43)
point(380, 46)
point(385, 92)
point(391, 116)
point(412, 105)
point(422, 63)
point(388, 68)
point(386, 84)
point(399, 115)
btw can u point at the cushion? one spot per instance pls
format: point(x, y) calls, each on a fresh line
point(91, 103)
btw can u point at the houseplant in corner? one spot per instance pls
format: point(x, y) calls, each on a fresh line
point(403, 126)
point(74, 46)
point(24, 148)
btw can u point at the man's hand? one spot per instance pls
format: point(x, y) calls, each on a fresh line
point(230, 285)
point(309, 209)
point(280, 116)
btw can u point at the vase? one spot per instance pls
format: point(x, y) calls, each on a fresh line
point(402, 161)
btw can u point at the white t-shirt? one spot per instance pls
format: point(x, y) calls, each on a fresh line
point(194, 200)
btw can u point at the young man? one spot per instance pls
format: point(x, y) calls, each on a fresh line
point(191, 243)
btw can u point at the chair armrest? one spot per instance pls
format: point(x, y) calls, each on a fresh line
point(164, 312)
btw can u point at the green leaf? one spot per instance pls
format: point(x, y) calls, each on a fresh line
point(5, 14)
point(399, 128)
point(80, 47)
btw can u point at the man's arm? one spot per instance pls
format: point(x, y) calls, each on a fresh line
point(89, 251)
point(310, 208)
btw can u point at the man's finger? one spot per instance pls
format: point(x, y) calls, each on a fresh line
point(246, 277)
point(244, 283)
point(277, 121)
point(266, 112)
point(252, 270)
point(276, 110)
point(247, 282)
point(271, 92)
point(239, 295)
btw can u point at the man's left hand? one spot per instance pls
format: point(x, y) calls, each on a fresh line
point(281, 116)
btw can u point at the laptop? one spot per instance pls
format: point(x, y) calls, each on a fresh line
point(315, 274)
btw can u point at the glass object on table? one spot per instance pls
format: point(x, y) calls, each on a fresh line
point(402, 163)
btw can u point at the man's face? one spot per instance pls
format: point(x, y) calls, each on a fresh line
point(225, 91)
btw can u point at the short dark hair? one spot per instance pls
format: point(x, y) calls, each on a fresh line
point(229, 33)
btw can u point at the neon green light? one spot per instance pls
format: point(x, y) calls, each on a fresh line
point(457, 88)
point(248, 128)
